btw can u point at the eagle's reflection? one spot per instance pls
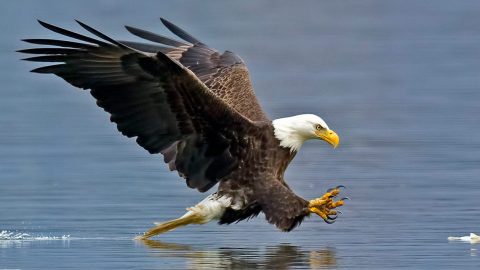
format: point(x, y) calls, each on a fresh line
point(283, 256)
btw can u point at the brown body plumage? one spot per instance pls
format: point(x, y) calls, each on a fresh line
point(194, 105)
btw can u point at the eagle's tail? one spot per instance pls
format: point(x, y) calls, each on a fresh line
point(210, 208)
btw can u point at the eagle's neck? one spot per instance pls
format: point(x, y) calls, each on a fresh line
point(287, 133)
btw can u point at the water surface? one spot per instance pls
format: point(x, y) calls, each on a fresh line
point(398, 80)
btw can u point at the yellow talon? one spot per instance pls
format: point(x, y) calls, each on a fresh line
point(319, 212)
point(317, 202)
point(324, 205)
point(337, 204)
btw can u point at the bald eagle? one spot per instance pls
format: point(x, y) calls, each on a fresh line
point(196, 107)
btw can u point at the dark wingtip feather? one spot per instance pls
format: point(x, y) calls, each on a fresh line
point(38, 70)
point(50, 51)
point(99, 34)
point(56, 42)
point(154, 37)
point(48, 69)
point(71, 34)
point(46, 58)
point(46, 25)
point(179, 32)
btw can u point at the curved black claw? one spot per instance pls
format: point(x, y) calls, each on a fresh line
point(337, 187)
point(329, 221)
point(345, 199)
point(332, 217)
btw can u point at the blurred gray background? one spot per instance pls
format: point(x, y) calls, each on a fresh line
point(398, 80)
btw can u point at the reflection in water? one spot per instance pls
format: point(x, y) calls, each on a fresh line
point(282, 256)
point(473, 252)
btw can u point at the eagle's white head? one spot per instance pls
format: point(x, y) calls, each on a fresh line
point(293, 131)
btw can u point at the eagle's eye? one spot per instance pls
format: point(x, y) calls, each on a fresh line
point(318, 127)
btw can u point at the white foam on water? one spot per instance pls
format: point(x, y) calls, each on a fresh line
point(19, 236)
point(9, 238)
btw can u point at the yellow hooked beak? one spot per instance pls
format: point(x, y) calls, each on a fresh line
point(329, 136)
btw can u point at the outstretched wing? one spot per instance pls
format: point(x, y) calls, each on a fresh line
point(154, 98)
point(226, 75)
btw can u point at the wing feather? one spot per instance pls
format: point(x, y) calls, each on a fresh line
point(179, 32)
point(225, 74)
point(155, 99)
point(72, 34)
point(154, 37)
